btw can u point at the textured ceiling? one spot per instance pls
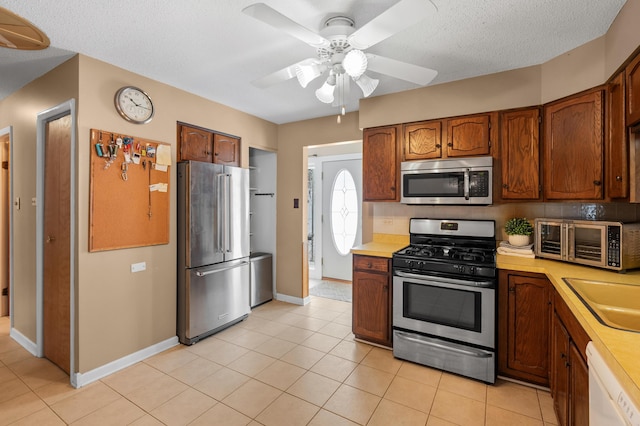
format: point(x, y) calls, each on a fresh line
point(212, 49)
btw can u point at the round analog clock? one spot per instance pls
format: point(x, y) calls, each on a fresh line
point(134, 105)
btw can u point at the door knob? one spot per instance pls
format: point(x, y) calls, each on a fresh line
point(50, 239)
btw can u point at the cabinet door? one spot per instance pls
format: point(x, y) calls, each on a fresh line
point(633, 91)
point(560, 370)
point(380, 164)
point(468, 136)
point(520, 143)
point(617, 145)
point(195, 144)
point(371, 313)
point(529, 315)
point(579, 388)
point(573, 148)
point(423, 140)
point(226, 150)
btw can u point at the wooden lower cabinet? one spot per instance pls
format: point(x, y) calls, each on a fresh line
point(372, 299)
point(569, 370)
point(524, 304)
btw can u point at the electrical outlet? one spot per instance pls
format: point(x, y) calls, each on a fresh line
point(387, 221)
point(138, 267)
point(33, 201)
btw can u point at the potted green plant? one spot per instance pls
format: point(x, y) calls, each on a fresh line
point(519, 230)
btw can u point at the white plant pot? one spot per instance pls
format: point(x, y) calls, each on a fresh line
point(519, 240)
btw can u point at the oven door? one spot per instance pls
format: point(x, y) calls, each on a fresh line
point(587, 244)
point(454, 309)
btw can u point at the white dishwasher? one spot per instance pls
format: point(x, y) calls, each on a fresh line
point(609, 405)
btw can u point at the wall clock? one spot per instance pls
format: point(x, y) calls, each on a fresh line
point(134, 105)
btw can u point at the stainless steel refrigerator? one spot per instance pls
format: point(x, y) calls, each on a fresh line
point(213, 248)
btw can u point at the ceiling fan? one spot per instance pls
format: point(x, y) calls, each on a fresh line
point(340, 50)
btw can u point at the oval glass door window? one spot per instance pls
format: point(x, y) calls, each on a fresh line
point(344, 212)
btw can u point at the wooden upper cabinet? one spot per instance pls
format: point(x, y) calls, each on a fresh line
point(573, 147)
point(195, 144)
point(380, 164)
point(226, 150)
point(617, 144)
point(520, 151)
point(422, 140)
point(633, 91)
point(198, 144)
point(467, 136)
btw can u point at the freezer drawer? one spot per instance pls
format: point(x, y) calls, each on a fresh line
point(212, 298)
point(261, 278)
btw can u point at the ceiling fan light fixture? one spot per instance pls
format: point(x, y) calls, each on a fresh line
point(355, 63)
point(306, 73)
point(367, 84)
point(325, 93)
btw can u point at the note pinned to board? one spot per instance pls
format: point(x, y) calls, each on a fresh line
point(161, 167)
point(160, 187)
point(163, 156)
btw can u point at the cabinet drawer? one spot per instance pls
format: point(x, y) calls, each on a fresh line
point(370, 263)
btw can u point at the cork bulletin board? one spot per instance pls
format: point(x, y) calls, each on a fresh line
point(129, 191)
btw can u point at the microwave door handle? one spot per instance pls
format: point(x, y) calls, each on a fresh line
point(466, 184)
point(571, 242)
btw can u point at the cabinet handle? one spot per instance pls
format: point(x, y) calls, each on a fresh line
point(505, 186)
point(597, 183)
point(385, 288)
point(369, 265)
point(562, 355)
point(438, 145)
point(450, 144)
point(393, 188)
point(512, 289)
point(619, 178)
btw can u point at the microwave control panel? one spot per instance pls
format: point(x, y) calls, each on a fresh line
point(479, 184)
point(613, 246)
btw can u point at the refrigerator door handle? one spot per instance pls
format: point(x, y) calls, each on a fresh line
point(215, 271)
point(221, 211)
point(227, 216)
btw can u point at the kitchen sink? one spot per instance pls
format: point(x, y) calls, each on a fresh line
point(615, 305)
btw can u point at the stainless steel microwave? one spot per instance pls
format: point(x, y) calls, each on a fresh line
point(448, 181)
point(609, 245)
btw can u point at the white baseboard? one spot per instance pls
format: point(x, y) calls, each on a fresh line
point(290, 299)
point(25, 342)
point(81, 379)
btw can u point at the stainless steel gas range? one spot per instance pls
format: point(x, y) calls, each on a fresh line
point(444, 297)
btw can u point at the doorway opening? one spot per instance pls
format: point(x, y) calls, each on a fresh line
point(334, 217)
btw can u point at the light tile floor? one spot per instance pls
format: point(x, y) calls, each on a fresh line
point(284, 365)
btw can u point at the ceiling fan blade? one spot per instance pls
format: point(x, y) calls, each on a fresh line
point(401, 15)
point(284, 74)
point(402, 70)
point(266, 14)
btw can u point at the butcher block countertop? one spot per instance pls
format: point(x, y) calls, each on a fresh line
point(620, 349)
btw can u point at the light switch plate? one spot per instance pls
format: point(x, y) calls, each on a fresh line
point(138, 267)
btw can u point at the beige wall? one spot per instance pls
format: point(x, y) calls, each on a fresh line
point(119, 312)
point(623, 37)
point(20, 111)
point(292, 166)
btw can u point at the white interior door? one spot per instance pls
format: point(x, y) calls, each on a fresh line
point(341, 216)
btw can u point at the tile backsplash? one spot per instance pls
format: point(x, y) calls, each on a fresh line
point(393, 218)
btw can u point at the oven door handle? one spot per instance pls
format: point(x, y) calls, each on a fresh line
point(466, 283)
point(429, 342)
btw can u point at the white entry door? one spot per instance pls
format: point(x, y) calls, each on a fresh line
point(341, 216)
